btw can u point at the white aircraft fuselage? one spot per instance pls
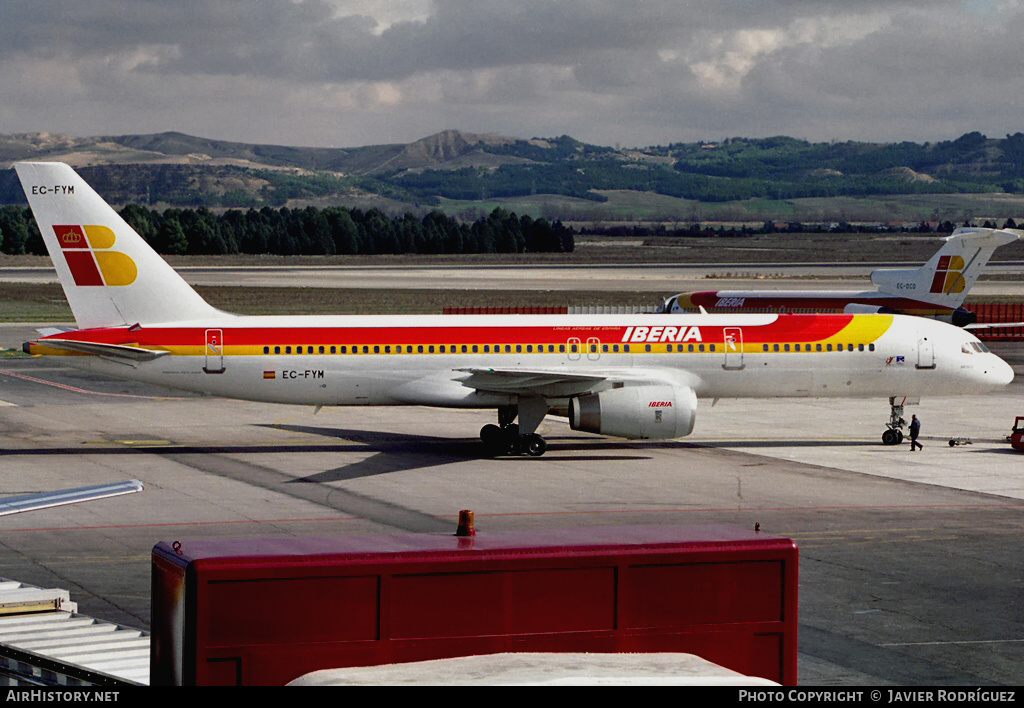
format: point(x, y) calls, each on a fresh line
point(432, 360)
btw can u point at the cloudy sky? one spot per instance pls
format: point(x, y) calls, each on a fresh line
point(345, 73)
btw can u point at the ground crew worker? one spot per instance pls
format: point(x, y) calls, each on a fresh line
point(915, 430)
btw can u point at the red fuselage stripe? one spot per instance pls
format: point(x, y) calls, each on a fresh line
point(803, 328)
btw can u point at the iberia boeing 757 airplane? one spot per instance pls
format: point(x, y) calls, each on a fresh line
point(631, 376)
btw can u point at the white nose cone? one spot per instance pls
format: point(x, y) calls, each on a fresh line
point(1000, 372)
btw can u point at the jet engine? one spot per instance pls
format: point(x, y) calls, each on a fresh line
point(963, 317)
point(653, 412)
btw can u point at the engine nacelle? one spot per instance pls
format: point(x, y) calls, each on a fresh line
point(963, 317)
point(650, 412)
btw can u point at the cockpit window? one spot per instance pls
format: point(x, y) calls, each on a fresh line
point(978, 347)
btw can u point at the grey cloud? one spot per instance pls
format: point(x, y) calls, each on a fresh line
point(602, 70)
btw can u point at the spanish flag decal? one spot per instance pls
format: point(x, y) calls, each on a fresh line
point(269, 374)
point(87, 252)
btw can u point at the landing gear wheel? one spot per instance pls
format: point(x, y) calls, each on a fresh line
point(490, 435)
point(535, 445)
point(891, 437)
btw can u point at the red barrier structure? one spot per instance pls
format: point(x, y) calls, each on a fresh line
point(266, 611)
point(990, 313)
point(520, 310)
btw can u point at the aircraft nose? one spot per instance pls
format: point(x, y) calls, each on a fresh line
point(1000, 372)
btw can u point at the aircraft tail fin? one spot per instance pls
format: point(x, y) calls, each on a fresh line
point(948, 276)
point(110, 275)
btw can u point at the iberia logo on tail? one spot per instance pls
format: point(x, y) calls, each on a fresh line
point(949, 275)
point(87, 252)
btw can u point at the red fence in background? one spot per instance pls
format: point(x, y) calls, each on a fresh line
point(995, 312)
point(523, 310)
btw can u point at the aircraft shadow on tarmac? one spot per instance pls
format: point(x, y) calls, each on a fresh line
point(398, 452)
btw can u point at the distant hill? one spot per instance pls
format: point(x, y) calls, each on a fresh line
point(180, 149)
point(455, 170)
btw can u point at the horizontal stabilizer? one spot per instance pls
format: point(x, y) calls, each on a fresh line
point(32, 502)
point(115, 351)
point(50, 331)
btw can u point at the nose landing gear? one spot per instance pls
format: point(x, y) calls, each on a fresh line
point(893, 434)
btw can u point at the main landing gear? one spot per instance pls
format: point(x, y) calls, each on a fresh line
point(509, 438)
point(893, 434)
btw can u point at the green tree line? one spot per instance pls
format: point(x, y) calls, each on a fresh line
point(312, 231)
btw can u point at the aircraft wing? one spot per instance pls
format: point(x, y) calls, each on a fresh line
point(561, 383)
point(993, 325)
point(32, 502)
point(114, 351)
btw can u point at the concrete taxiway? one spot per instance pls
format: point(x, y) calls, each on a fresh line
point(910, 563)
point(661, 279)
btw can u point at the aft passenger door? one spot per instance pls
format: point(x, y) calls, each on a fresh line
point(214, 352)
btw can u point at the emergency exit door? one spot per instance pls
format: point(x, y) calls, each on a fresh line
point(733, 337)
